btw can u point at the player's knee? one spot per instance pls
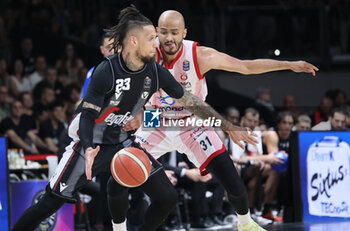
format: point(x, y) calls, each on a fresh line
point(168, 199)
point(114, 189)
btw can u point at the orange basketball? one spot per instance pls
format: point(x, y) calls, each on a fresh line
point(130, 167)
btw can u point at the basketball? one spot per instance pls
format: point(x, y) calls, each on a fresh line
point(281, 167)
point(130, 167)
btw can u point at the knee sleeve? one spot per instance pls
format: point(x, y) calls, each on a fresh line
point(163, 197)
point(118, 201)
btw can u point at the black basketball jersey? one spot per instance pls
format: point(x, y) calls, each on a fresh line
point(127, 93)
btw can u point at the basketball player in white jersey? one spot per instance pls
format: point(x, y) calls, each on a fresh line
point(188, 62)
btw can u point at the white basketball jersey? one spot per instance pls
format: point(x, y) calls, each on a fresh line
point(185, 70)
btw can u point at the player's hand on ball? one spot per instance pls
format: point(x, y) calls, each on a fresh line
point(238, 134)
point(90, 154)
point(302, 66)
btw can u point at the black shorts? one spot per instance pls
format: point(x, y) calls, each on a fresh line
point(70, 176)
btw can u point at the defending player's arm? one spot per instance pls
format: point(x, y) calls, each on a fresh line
point(209, 58)
point(202, 109)
point(101, 82)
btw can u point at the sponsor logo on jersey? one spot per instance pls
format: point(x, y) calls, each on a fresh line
point(151, 118)
point(49, 223)
point(183, 76)
point(186, 65)
point(118, 120)
point(147, 83)
point(166, 100)
point(144, 95)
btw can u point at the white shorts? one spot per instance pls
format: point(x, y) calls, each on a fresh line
point(200, 144)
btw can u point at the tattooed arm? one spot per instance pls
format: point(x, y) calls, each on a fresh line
point(200, 108)
point(203, 110)
point(101, 82)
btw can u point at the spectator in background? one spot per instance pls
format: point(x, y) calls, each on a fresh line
point(62, 77)
point(5, 102)
point(288, 104)
point(51, 81)
point(265, 107)
point(255, 165)
point(71, 97)
point(70, 62)
point(27, 55)
point(82, 73)
point(42, 107)
point(4, 75)
point(27, 101)
point(232, 114)
point(285, 123)
point(18, 83)
point(39, 74)
point(50, 130)
point(347, 113)
point(20, 130)
point(324, 110)
point(336, 122)
point(339, 98)
point(303, 123)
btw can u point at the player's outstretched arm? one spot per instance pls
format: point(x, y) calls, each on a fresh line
point(203, 110)
point(209, 58)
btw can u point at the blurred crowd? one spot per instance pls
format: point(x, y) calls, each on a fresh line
point(38, 95)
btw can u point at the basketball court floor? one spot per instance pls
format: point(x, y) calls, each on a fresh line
point(338, 226)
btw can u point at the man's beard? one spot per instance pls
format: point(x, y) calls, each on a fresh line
point(148, 59)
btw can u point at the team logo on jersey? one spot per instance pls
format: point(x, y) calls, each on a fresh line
point(186, 84)
point(151, 119)
point(49, 223)
point(144, 95)
point(115, 102)
point(147, 83)
point(183, 76)
point(186, 65)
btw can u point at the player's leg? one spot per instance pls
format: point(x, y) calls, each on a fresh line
point(59, 190)
point(224, 170)
point(163, 200)
point(205, 149)
point(157, 187)
point(34, 215)
point(118, 203)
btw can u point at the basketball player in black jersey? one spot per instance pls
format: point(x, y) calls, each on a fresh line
point(120, 86)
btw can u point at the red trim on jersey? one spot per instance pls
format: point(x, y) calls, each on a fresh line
point(38, 157)
point(174, 61)
point(66, 166)
point(104, 115)
point(194, 53)
point(158, 56)
point(202, 169)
